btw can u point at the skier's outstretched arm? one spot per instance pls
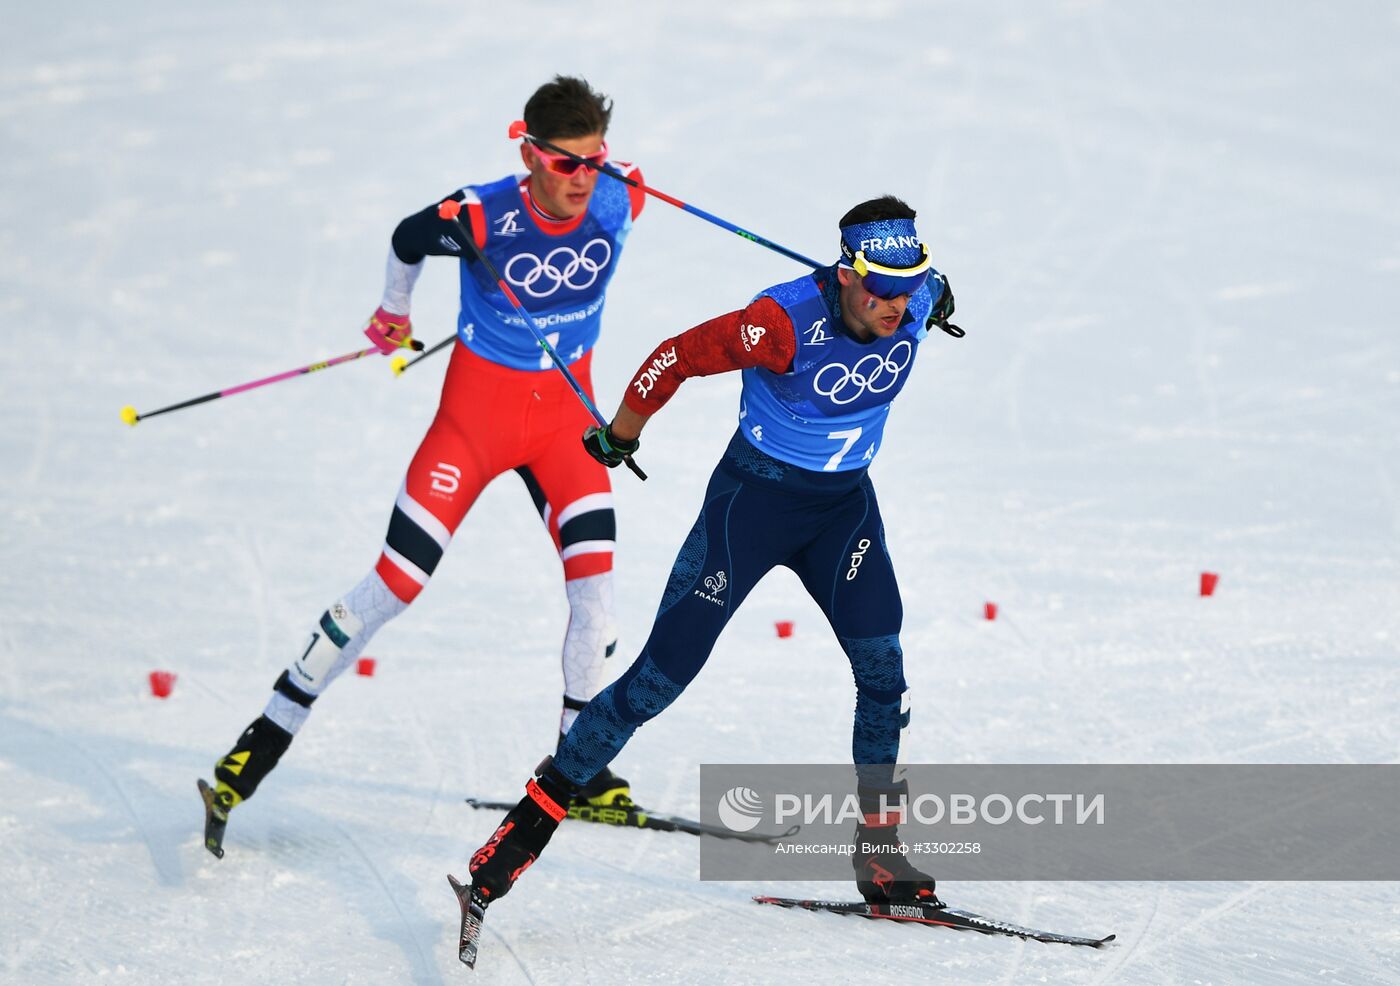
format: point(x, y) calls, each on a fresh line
point(760, 334)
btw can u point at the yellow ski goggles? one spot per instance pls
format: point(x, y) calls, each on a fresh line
point(891, 282)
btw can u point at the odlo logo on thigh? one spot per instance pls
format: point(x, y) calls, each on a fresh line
point(857, 557)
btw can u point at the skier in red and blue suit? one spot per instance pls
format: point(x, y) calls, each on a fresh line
point(823, 357)
point(555, 233)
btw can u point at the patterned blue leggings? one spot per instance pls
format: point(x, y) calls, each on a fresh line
point(760, 513)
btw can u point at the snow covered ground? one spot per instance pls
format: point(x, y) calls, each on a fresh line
point(1174, 234)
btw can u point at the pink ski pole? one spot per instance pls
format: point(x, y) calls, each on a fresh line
point(130, 415)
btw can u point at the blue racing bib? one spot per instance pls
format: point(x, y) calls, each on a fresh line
point(561, 280)
point(828, 412)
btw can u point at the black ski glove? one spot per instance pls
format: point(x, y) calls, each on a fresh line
point(607, 448)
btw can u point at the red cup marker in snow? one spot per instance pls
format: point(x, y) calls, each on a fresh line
point(1208, 581)
point(990, 611)
point(162, 683)
point(784, 628)
point(365, 666)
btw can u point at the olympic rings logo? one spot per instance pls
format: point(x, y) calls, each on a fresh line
point(561, 267)
point(874, 373)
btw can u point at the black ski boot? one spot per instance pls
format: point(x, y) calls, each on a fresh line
point(884, 874)
point(238, 775)
point(522, 834)
point(605, 790)
point(512, 848)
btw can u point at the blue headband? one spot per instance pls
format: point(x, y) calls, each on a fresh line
point(888, 242)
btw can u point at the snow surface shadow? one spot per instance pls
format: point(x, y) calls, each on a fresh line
point(68, 758)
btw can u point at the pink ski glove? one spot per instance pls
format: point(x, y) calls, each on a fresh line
point(389, 331)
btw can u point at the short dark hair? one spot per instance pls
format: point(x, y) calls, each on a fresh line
point(873, 210)
point(567, 107)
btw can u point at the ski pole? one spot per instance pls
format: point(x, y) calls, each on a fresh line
point(399, 363)
point(451, 210)
point(131, 416)
point(518, 131)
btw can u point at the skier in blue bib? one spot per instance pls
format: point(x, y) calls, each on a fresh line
point(823, 357)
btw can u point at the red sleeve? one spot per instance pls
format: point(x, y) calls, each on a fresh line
point(635, 195)
point(759, 335)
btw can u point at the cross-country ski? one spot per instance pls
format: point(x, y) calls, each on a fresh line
point(938, 915)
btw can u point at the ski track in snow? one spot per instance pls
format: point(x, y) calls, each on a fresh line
point(1174, 252)
point(424, 970)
